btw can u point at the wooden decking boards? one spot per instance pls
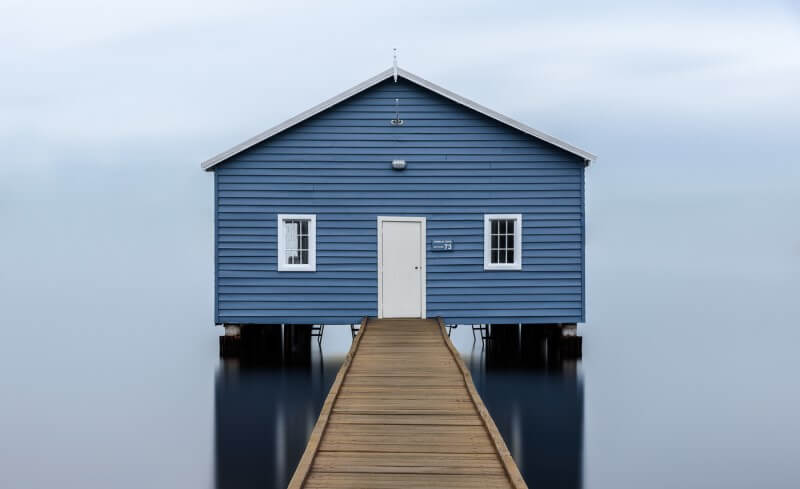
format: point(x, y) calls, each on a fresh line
point(403, 412)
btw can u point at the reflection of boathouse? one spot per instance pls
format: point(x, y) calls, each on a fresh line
point(263, 417)
point(536, 401)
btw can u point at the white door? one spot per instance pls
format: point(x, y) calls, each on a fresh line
point(401, 267)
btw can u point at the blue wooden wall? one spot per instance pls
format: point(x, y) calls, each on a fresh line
point(461, 165)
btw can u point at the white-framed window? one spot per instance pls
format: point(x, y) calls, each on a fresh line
point(297, 242)
point(502, 242)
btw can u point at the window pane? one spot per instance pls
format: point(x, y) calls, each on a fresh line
point(295, 244)
point(290, 240)
point(503, 241)
point(296, 241)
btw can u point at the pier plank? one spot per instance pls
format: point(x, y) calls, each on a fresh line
point(333, 480)
point(402, 419)
point(409, 463)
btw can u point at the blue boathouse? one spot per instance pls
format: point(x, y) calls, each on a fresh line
point(399, 198)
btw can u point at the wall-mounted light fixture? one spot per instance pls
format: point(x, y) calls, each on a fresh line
point(398, 165)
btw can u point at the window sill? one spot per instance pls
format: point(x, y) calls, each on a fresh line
point(297, 268)
point(508, 267)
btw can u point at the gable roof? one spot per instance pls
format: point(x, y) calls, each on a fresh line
point(384, 75)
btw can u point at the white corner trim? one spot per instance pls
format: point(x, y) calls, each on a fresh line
point(423, 264)
point(487, 243)
point(312, 244)
point(386, 74)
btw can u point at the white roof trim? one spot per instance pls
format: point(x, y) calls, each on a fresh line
point(210, 163)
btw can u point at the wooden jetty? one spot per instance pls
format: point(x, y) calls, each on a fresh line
point(403, 412)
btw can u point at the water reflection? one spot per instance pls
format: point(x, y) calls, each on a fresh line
point(536, 399)
point(264, 415)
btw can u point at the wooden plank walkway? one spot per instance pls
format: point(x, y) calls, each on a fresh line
point(403, 412)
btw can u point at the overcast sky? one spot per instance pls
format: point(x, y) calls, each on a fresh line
point(712, 90)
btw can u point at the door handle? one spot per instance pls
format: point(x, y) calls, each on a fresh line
point(416, 268)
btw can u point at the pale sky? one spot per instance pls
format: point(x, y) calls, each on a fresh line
point(667, 90)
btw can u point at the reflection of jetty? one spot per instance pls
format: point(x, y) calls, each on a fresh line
point(403, 412)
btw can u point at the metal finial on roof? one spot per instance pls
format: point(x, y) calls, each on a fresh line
point(395, 64)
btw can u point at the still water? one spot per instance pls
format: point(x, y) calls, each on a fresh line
point(263, 415)
point(110, 376)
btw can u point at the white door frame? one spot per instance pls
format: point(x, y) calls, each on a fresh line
point(422, 275)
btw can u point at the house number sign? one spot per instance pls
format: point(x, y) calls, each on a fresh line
point(442, 245)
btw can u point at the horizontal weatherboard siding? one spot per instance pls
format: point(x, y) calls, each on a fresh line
point(460, 166)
